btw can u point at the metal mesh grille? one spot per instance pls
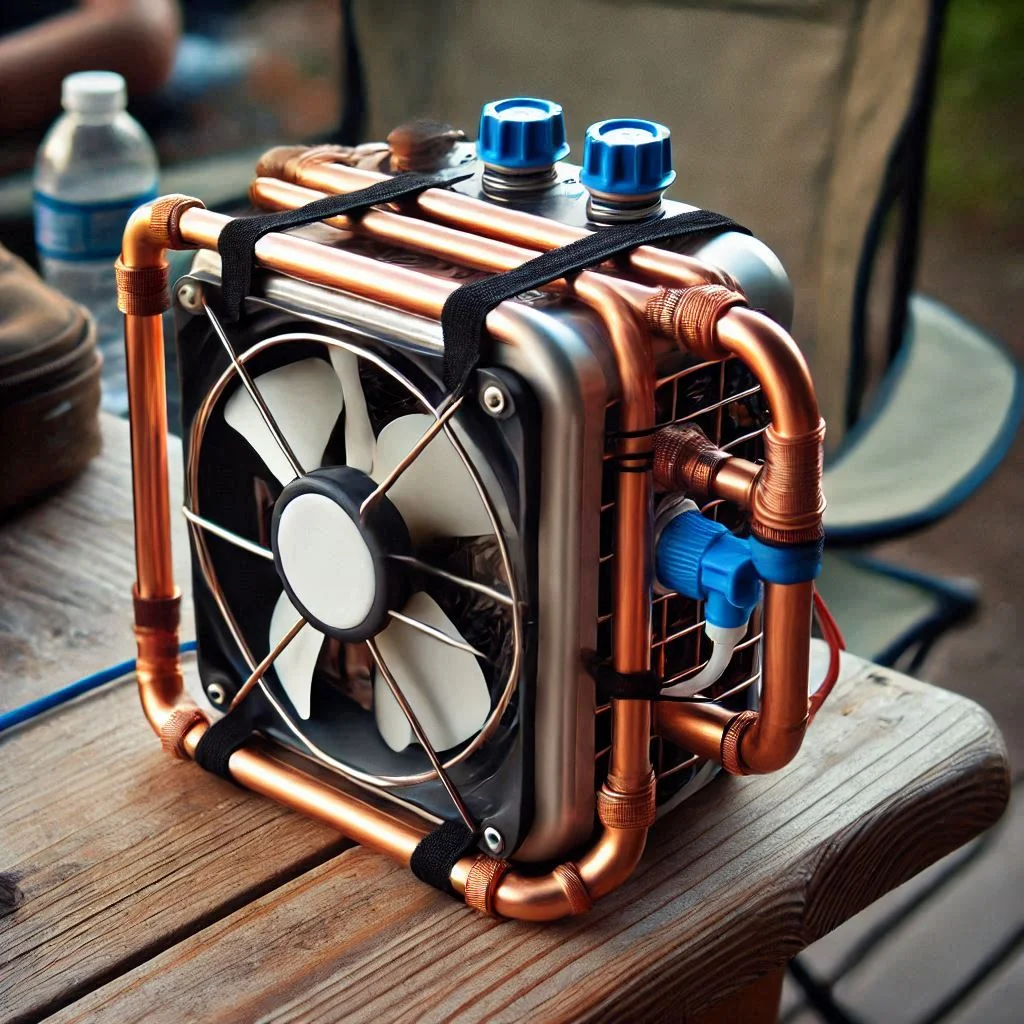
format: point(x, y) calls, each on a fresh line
point(725, 401)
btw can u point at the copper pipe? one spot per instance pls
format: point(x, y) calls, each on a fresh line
point(150, 493)
point(765, 741)
point(697, 727)
point(147, 395)
point(615, 855)
point(777, 362)
point(735, 481)
point(774, 738)
point(468, 250)
point(766, 348)
point(495, 221)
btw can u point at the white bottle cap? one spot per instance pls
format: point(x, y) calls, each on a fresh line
point(94, 92)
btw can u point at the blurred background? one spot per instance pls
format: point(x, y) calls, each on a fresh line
point(764, 130)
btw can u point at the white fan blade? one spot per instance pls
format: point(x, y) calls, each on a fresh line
point(295, 664)
point(444, 686)
point(305, 399)
point(436, 495)
point(359, 440)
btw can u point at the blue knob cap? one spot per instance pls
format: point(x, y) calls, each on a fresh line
point(522, 134)
point(701, 559)
point(627, 157)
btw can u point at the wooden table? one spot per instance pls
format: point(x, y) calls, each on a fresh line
point(155, 892)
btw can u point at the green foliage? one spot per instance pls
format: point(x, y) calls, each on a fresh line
point(977, 155)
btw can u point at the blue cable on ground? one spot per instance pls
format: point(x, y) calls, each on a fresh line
point(34, 708)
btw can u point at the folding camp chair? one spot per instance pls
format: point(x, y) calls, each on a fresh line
point(807, 120)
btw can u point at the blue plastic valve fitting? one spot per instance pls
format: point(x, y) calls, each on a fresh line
point(701, 559)
point(521, 134)
point(627, 157)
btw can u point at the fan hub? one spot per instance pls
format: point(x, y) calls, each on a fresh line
point(336, 566)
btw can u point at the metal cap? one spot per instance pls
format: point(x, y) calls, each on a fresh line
point(627, 156)
point(522, 134)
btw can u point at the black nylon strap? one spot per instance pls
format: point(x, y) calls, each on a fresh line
point(238, 238)
point(466, 309)
point(220, 741)
point(618, 685)
point(437, 853)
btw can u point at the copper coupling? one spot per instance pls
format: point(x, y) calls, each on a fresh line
point(788, 502)
point(690, 315)
point(687, 461)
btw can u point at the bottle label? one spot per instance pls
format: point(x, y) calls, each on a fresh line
point(79, 232)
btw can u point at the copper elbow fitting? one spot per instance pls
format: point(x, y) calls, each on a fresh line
point(491, 886)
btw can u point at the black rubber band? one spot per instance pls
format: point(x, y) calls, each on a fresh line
point(466, 309)
point(437, 853)
point(238, 238)
point(220, 741)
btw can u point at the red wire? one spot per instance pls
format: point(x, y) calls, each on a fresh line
point(836, 644)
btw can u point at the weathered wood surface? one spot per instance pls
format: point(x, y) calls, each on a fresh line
point(121, 851)
point(66, 572)
point(734, 883)
point(155, 892)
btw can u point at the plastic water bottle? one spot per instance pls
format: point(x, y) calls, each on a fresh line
point(95, 165)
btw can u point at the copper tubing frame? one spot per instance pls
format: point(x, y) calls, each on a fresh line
point(783, 499)
point(625, 803)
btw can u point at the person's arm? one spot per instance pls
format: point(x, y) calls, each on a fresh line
point(136, 38)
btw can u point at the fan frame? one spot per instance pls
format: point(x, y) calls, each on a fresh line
point(192, 510)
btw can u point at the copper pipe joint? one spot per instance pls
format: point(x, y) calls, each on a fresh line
point(142, 291)
point(575, 889)
point(165, 220)
point(685, 459)
point(731, 758)
point(179, 723)
point(482, 882)
point(626, 810)
point(691, 315)
point(788, 501)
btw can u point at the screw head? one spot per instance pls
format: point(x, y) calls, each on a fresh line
point(190, 296)
point(494, 399)
point(494, 840)
point(216, 694)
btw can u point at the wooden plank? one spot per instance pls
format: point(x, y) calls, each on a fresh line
point(121, 851)
point(894, 775)
point(66, 572)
